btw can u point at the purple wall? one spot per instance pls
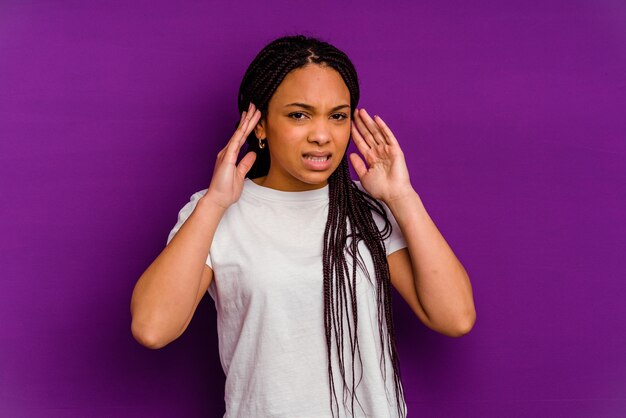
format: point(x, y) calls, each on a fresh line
point(512, 119)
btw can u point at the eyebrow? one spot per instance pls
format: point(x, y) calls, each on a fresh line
point(309, 107)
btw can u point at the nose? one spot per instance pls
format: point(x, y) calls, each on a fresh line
point(320, 133)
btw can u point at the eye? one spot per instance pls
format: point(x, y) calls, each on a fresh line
point(343, 116)
point(291, 115)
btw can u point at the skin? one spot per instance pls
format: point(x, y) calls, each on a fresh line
point(427, 274)
point(292, 130)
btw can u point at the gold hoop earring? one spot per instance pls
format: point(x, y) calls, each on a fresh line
point(261, 143)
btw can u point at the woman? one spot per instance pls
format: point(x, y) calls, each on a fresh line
point(297, 256)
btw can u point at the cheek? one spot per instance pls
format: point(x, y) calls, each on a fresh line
point(284, 135)
point(283, 149)
point(342, 136)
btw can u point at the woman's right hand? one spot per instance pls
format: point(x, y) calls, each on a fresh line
point(227, 181)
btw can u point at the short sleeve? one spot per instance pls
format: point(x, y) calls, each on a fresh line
point(396, 240)
point(183, 214)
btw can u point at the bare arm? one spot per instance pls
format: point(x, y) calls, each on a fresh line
point(427, 274)
point(441, 295)
point(166, 295)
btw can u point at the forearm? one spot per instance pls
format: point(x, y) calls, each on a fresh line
point(165, 295)
point(442, 284)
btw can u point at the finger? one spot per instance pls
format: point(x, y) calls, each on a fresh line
point(238, 139)
point(358, 164)
point(249, 127)
point(360, 143)
point(246, 164)
point(256, 116)
point(241, 119)
point(245, 115)
point(373, 127)
point(388, 134)
point(365, 133)
point(231, 150)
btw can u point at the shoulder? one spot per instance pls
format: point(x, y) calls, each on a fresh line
point(377, 217)
point(358, 184)
point(190, 205)
point(185, 212)
point(360, 187)
point(195, 197)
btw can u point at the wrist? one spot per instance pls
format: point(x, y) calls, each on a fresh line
point(208, 202)
point(401, 198)
point(405, 206)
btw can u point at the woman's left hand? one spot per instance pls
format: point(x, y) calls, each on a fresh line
point(386, 176)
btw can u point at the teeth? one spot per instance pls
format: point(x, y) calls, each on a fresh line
point(308, 157)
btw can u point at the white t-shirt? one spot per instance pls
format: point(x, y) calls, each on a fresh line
point(266, 257)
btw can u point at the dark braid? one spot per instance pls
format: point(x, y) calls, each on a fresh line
point(350, 215)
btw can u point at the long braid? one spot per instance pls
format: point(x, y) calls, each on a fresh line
point(350, 214)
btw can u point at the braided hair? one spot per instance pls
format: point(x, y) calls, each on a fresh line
point(348, 205)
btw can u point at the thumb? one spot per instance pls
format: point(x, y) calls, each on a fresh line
point(358, 164)
point(246, 163)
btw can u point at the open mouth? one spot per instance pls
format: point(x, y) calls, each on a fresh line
point(315, 158)
point(317, 161)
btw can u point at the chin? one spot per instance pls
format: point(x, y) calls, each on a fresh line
point(315, 178)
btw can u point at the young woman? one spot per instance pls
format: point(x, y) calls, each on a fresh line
point(298, 257)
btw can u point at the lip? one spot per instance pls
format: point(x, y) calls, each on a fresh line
point(317, 165)
point(317, 154)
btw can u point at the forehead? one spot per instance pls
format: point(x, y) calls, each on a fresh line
point(312, 84)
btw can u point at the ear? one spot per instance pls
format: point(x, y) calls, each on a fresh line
point(259, 129)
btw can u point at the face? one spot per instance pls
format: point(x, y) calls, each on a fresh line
point(307, 126)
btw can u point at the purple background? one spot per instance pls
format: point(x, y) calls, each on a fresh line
point(512, 119)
